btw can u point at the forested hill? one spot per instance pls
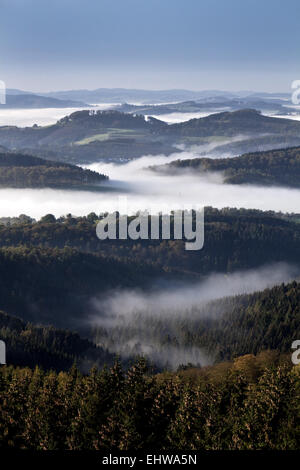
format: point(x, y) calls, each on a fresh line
point(75, 127)
point(109, 119)
point(36, 345)
point(54, 286)
point(245, 121)
point(224, 329)
point(26, 171)
point(50, 269)
point(103, 126)
point(252, 323)
point(272, 167)
point(12, 159)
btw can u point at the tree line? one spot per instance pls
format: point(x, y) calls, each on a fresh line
point(272, 167)
point(252, 403)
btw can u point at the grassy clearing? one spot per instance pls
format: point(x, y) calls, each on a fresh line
point(109, 134)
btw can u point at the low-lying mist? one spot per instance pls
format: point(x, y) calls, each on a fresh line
point(131, 322)
point(181, 296)
point(144, 189)
point(47, 116)
point(41, 116)
point(176, 117)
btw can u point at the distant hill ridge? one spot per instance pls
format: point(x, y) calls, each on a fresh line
point(31, 101)
point(247, 121)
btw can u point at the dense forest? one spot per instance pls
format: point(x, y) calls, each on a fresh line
point(273, 167)
point(252, 403)
point(234, 239)
point(26, 171)
point(51, 348)
point(243, 121)
point(50, 271)
point(52, 285)
point(222, 329)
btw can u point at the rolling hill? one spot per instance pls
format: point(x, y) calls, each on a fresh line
point(212, 106)
point(87, 136)
point(25, 171)
point(245, 121)
point(274, 167)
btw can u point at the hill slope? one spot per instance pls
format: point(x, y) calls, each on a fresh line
point(273, 167)
point(245, 121)
point(223, 329)
point(31, 345)
point(89, 136)
point(26, 171)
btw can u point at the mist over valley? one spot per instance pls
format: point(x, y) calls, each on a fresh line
point(78, 167)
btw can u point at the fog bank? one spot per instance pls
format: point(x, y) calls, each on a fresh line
point(182, 296)
point(136, 322)
point(41, 116)
point(144, 189)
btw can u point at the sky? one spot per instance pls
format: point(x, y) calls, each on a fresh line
point(151, 44)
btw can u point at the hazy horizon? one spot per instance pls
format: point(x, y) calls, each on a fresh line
point(152, 45)
point(155, 89)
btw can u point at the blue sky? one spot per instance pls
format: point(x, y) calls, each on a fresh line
point(155, 44)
